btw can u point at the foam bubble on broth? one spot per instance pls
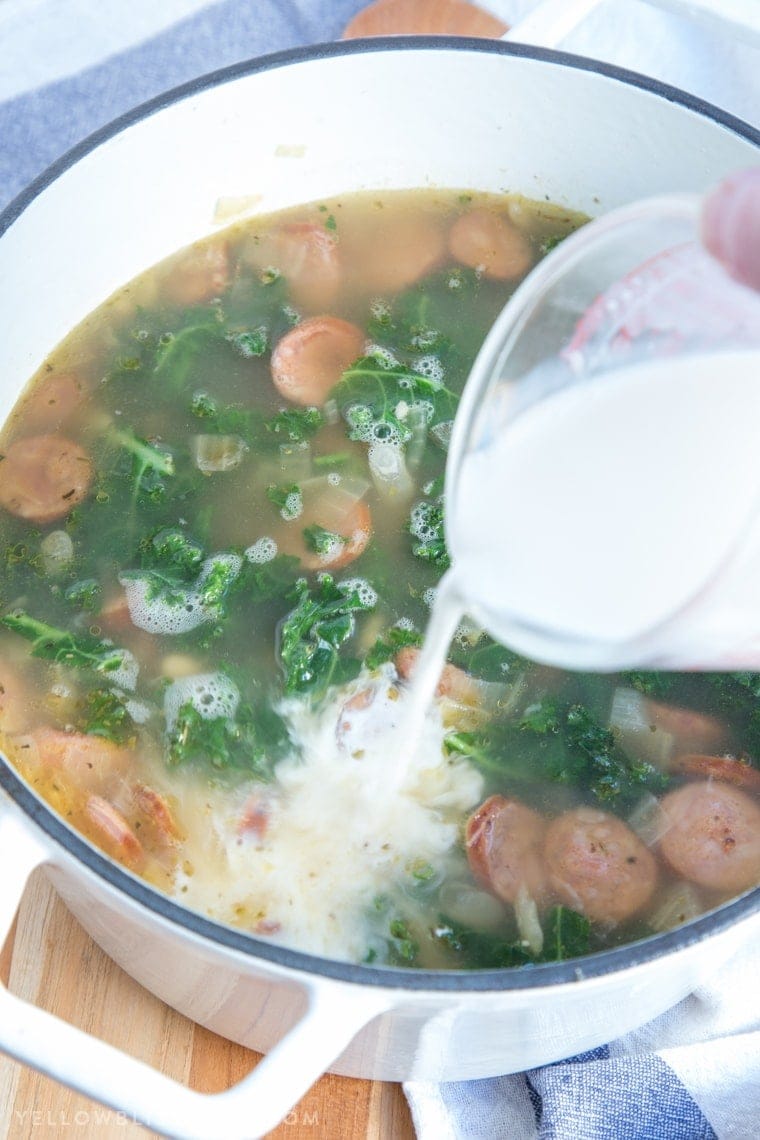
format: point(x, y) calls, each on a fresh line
point(367, 594)
point(263, 550)
point(212, 695)
point(156, 615)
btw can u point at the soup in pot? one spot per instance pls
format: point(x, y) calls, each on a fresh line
point(221, 521)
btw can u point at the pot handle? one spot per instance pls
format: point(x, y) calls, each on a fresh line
point(251, 1108)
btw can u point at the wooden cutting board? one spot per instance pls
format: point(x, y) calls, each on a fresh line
point(51, 961)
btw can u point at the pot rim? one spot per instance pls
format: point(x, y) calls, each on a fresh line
point(400, 978)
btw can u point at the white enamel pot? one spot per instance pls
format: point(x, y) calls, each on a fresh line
point(291, 128)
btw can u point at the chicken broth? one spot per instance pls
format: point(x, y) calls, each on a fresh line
point(222, 527)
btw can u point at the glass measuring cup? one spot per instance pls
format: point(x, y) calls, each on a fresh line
point(603, 483)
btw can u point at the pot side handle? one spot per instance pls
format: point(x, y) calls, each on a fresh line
point(251, 1108)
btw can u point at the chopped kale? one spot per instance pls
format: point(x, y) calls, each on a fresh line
point(375, 398)
point(651, 684)
point(287, 498)
point(102, 712)
point(419, 323)
point(426, 524)
point(311, 636)
point(386, 648)
point(403, 948)
point(738, 695)
point(251, 741)
point(176, 361)
point(84, 595)
point(249, 343)
point(567, 934)
point(561, 743)
point(173, 550)
point(80, 651)
point(478, 949)
point(262, 581)
point(295, 424)
point(226, 419)
point(146, 470)
point(322, 542)
point(477, 747)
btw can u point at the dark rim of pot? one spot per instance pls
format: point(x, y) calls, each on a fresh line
point(525, 977)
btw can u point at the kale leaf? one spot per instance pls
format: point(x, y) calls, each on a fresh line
point(567, 934)
point(102, 712)
point(252, 741)
point(376, 398)
point(311, 635)
point(385, 648)
point(426, 524)
point(559, 742)
point(263, 581)
point(80, 651)
point(478, 949)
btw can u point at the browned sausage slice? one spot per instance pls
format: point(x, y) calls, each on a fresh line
point(43, 477)
point(504, 840)
point(111, 829)
point(454, 682)
point(713, 838)
point(312, 357)
point(726, 768)
point(336, 510)
point(487, 242)
point(598, 866)
point(307, 256)
point(692, 731)
point(88, 761)
point(393, 251)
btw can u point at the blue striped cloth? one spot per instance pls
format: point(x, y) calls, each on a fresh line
point(694, 1073)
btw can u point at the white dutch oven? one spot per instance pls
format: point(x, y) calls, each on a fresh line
point(291, 128)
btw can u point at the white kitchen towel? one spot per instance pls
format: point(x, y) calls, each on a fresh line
point(68, 67)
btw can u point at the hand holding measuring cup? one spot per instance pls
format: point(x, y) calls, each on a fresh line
point(603, 485)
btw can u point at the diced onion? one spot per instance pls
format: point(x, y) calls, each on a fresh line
point(528, 922)
point(680, 903)
point(388, 470)
point(465, 904)
point(648, 820)
point(632, 724)
point(212, 453)
point(57, 551)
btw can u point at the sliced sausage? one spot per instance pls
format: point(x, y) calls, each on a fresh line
point(713, 837)
point(725, 768)
point(454, 682)
point(51, 402)
point(111, 829)
point(338, 511)
point(88, 761)
point(198, 274)
point(310, 359)
point(43, 477)
point(307, 256)
point(156, 810)
point(598, 866)
point(504, 843)
point(393, 251)
point(485, 241)
point(692, 731)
